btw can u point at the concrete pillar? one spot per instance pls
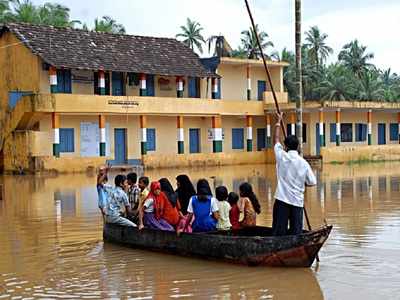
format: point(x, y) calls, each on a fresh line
point(102, 82)
point(249, 133)
point(53, 79)
point(321, 128)
point(338, 127)
point(214, 88)
point(180, 134)
point(369, 118)
point(248, 83)
point(217, 134)
point(143, 131)
point(179, 87)
point(268, 129)
point(102, 128)
point(143, 88)
point(293, 124)
point(55, 124)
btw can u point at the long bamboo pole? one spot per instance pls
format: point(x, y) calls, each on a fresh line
point(272, 87)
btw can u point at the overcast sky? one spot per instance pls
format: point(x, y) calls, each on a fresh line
point(376, 23)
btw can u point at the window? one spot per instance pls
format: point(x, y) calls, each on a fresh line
point(346, 132)
point(332, 131)
point(289, 131)
point(361, 132)
point(151, 139)
point(261, 88)
point(394, 132)
point(64, 81)
point(261, 139)
point(237, 138)
point(67, 140)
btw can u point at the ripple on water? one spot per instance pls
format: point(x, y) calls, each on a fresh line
point(52, 243)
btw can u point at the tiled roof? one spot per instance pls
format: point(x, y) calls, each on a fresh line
point(81, 49)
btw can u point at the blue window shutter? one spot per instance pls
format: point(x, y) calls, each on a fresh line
point(237, 138)
point(261, 139)
point(332, 128)
point(364, 132)
point(151, 139)
point(67, 143)
point(394, 131)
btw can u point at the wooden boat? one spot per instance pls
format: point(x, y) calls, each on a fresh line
point(251, 246)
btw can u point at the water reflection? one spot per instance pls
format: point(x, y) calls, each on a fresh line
point(51, 241)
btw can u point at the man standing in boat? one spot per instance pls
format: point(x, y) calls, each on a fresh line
point(293, 174)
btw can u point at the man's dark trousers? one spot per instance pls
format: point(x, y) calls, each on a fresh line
point(283, 214)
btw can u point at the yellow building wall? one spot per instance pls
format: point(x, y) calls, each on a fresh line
point(352, 117)
point(19, 71)
point(234, 80)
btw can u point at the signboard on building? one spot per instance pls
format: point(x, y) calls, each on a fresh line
point(90, 139)
point(82, 76)
point(210, 134)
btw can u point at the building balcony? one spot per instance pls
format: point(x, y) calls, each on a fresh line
point(95, 104)
point(282, 97)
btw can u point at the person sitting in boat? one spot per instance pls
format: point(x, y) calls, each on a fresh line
point(293, 174)
point(221, 193)
point(204, 207)
point(234, 213)
point(118, 207)
point(133, 195)
point(248, 205)
point(171, 207)
point(185, 191)
point(152, 210)
point(103, 189)
point(144, 189)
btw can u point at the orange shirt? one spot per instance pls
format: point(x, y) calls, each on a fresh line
point(171, 214)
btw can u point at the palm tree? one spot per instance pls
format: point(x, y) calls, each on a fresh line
point(56, 15)
point(25, 11)
point(316, 45)
point(338, 84)
point(370, 88)
point(4, 10)
point(221, 46)
point(353, 56)
point(239, 52)
point(191, 34)
point(249, 42)
point(108, 24)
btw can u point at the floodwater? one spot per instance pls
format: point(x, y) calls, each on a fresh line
point(51, 242)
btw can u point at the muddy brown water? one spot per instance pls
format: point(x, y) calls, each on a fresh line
point(51, 242)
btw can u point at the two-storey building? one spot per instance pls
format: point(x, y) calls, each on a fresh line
point(73, 99)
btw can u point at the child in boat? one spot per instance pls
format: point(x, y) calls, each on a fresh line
point(204, 208)
point(143, 184)
point(103, 189)
point(152, 210)
point(221, 193)
point(234, 213)
point(248, 205)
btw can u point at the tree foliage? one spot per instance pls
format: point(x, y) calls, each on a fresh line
point(191, 35)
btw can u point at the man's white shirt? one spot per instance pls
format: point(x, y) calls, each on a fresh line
point(293, 172)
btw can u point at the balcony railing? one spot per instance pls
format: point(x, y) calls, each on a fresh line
point(77, 103)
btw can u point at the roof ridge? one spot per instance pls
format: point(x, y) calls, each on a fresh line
point(6, 24)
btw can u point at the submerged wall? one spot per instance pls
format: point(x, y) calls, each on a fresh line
point(360, 153)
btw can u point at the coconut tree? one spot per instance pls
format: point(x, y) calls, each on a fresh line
point(25, 11)
point(354, 57)
point(239, 52)
point(4, 10)
point(108, 24)
point(56, 15)
point(249, 42)
point(191, 35)
point(338, 84)
point(370, 87)
point(318, 50)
